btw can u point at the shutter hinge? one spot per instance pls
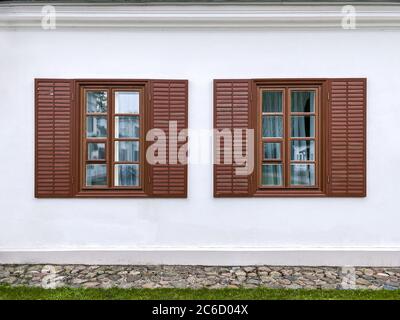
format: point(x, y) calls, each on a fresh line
point(329, 179)
point(329, 96)
point(72, 180)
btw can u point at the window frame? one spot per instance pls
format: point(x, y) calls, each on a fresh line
point(316, 138)
point(140, 139)
point(321, 133)
point(280, 140)
point(80, 150)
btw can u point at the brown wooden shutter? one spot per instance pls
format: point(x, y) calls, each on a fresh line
point(347, 138)
point(231, 111)
point(53, 138)
point(169, 103)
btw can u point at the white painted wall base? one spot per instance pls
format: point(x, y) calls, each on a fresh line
point(210, 256)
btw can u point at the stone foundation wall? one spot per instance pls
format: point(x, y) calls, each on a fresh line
point(53, 276)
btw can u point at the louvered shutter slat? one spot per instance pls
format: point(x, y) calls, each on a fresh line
point(169, 103)
point(347, 138)
point(231, 111)
point(53, 138)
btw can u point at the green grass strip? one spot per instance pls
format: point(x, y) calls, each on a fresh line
point(31, 293)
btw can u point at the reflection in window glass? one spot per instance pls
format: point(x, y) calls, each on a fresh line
point(127, 127)
point(96, 101)
point(127, 175)
point(96, 175)
point(272, 126)
point(302, 150)
point(96, 126)
point(303, 101)
point(302, 174)
point(272, 101)
point(272, 150)
point(96, 151)
point(126, 102)
point(127, 151)
point(303, 126)
point(271, 175)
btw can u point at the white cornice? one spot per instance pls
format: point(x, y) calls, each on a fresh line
point(195, 16)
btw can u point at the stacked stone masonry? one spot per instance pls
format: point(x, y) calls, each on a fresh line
point(93, 276)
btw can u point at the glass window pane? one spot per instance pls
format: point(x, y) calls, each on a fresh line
point(96, 126)
point(272, 150)
point(126, 102)
point(96, 151)
point(127, 151)
point(127, 175)
point(271, 175)
point(303, 101)
point(303, 126)
point(302, 174)
point(96, 101)
point(127, 127)
point(96, 175)
point(272, 101)
point(272, 126)
point(302, 150)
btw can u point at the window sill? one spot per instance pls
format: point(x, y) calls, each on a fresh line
point(289, 193)
point(111, 194)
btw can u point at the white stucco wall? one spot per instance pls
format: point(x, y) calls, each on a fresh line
point(199, 222)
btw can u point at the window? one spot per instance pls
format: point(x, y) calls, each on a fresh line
point(90, 137)
point(309, 137)
point(289, 137)
point(112, 138)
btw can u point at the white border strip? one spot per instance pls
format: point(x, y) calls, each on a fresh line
point(205, 16)
point(209, 256)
